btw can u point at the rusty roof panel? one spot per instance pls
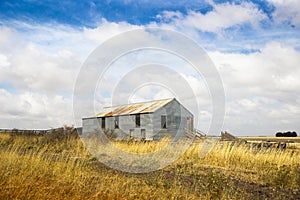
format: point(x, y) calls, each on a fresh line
point(108, 114)
point(154, 106)
point(136, 108)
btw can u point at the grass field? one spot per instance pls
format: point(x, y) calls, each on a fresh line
point(278, 139)
point(292, 142)
point(60, 167)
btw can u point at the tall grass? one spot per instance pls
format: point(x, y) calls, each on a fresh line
point(272, 166)
point(50, 167)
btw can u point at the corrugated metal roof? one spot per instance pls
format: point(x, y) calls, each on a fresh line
point(135, 108)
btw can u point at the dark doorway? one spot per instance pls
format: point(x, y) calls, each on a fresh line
point(103, 122)
point(163, 121)
point(117, 122)
point(138, 120)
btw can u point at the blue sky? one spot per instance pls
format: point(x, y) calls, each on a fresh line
point(88, 14)
point(254, 44)
point(83, 13)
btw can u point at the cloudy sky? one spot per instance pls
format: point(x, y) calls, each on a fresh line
point(254, 44)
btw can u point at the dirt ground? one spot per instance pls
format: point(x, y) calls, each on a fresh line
point(240, 189)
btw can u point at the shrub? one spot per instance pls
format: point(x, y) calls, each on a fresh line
point(286, 134)
point(279, 134)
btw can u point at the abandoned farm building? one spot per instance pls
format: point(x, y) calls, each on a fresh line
point(145, 121)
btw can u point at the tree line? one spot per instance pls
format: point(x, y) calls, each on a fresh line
point(286, 134)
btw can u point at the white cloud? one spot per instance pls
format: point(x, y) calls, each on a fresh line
point(107, 30)
point(9, 38)
point(273, 68)
point(48, 57)
point(221, 17)
point(39, 66)
point(262, 89)
point(30, 110)
point(34, 69)
point(286, 11)
point(4, 63)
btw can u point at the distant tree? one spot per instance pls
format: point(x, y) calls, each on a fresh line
point(288, 134)
point(279, 134)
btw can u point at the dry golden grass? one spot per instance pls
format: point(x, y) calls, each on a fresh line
point(269, 138)
point(138, 147)
point(39, 167)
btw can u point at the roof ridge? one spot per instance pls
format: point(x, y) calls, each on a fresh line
point(138, 102)
point(134, 108)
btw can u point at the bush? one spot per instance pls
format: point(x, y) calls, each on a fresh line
point(279, 134)
point(294, 134)
point(286, 134)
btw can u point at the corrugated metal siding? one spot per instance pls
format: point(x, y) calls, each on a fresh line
point(136, 108)
point(150, 120)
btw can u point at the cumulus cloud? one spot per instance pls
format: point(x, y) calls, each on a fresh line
point(286, 11)
point(8, 38)
point(31, 110)
point(36, 76)
point(274, 68)
point(107, 30)
point(262, 89)
point(33, 69)
point(4, 63)
point(39, 66)
point(221, 17)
